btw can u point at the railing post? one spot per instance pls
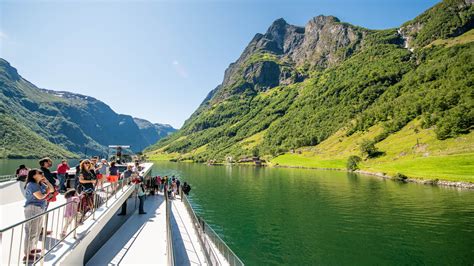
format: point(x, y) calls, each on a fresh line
point(11, 244)
point(21, 239)
point(75, 220)
point(45, 233)
point(107, 197)
point(94, 200)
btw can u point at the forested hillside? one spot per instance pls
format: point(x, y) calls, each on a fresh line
point(38, 122)
point(295, 87)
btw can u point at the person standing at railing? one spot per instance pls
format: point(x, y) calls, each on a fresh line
point(38, 189)
point(178, 184)
point(72, 201)
point(140, 193)
point(62, 169)
point(186, 188)
point(45, 164)
point(87, 181)
point(174, 188)
point(102, 173)
point(113, 175)
point(22, 173)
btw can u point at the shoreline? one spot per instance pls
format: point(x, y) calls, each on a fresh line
point(432, 182)
point(435, 182)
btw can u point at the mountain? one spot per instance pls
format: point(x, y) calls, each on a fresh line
point(38, 122)
point(293, 88)
point(150, 132)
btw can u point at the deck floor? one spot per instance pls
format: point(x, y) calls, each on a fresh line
point(140, 240)
point(188, 250)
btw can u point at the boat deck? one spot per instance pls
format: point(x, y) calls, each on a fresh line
point(142, 238)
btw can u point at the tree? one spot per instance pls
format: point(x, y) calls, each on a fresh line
point(367, 147)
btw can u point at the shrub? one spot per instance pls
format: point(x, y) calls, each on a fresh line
point(367, 147)
point(352, 162)
point(400, 177)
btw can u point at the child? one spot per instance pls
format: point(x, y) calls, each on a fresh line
point(72, 200)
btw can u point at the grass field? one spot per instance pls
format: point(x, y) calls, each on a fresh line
point(413, 151)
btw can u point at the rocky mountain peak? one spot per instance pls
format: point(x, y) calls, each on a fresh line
point(321, 20)
point(8, 70)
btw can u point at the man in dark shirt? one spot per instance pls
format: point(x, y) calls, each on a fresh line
point(45, 164)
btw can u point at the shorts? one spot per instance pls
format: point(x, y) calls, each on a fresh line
point(112, 178)
point(100, 177)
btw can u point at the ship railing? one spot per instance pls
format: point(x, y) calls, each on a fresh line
point(210, 239)
point(169, 235)
point(56, 225)
point(6, 178)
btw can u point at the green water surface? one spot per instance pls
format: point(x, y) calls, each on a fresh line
point(308, 217)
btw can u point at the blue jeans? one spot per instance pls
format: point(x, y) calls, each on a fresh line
point(140, 205)
point(62, 180)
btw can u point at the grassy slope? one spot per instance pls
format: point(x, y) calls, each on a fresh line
point(451, 159)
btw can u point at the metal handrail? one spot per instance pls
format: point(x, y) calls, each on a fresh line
point(205, 232)
point(169, 235)
point(32, 218)
point(98, 201)
point(5, 178)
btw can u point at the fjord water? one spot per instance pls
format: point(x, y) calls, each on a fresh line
point(301, 217)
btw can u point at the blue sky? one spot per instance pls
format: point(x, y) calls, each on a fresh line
point(157, 59)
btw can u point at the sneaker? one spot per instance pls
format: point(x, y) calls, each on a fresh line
point(142, 213)
point(33, 251)
point(121, 214)
point(63, 235)
point(31, 258)
point(47, 233)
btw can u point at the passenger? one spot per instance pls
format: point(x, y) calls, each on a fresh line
point(169, 184)
point(186, 188)
point(136, 167)
point(157, 184)
point(92, 169)
point(76, 180)
point(21, 173)
point(102, 173)
point(62, 169)
point(113, 175)
point(178, 184)
point(95, 161)
point(45, 164)
point(127, 173)
point(72, 201)
point(38, 188)
point(174, 188)
point(140, 193)
point(87, 181)
point(162, 185)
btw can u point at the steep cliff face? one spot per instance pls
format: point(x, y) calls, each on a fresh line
point(65, 120)
point(296, 86)
point(447, 19)
point(283, 54)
